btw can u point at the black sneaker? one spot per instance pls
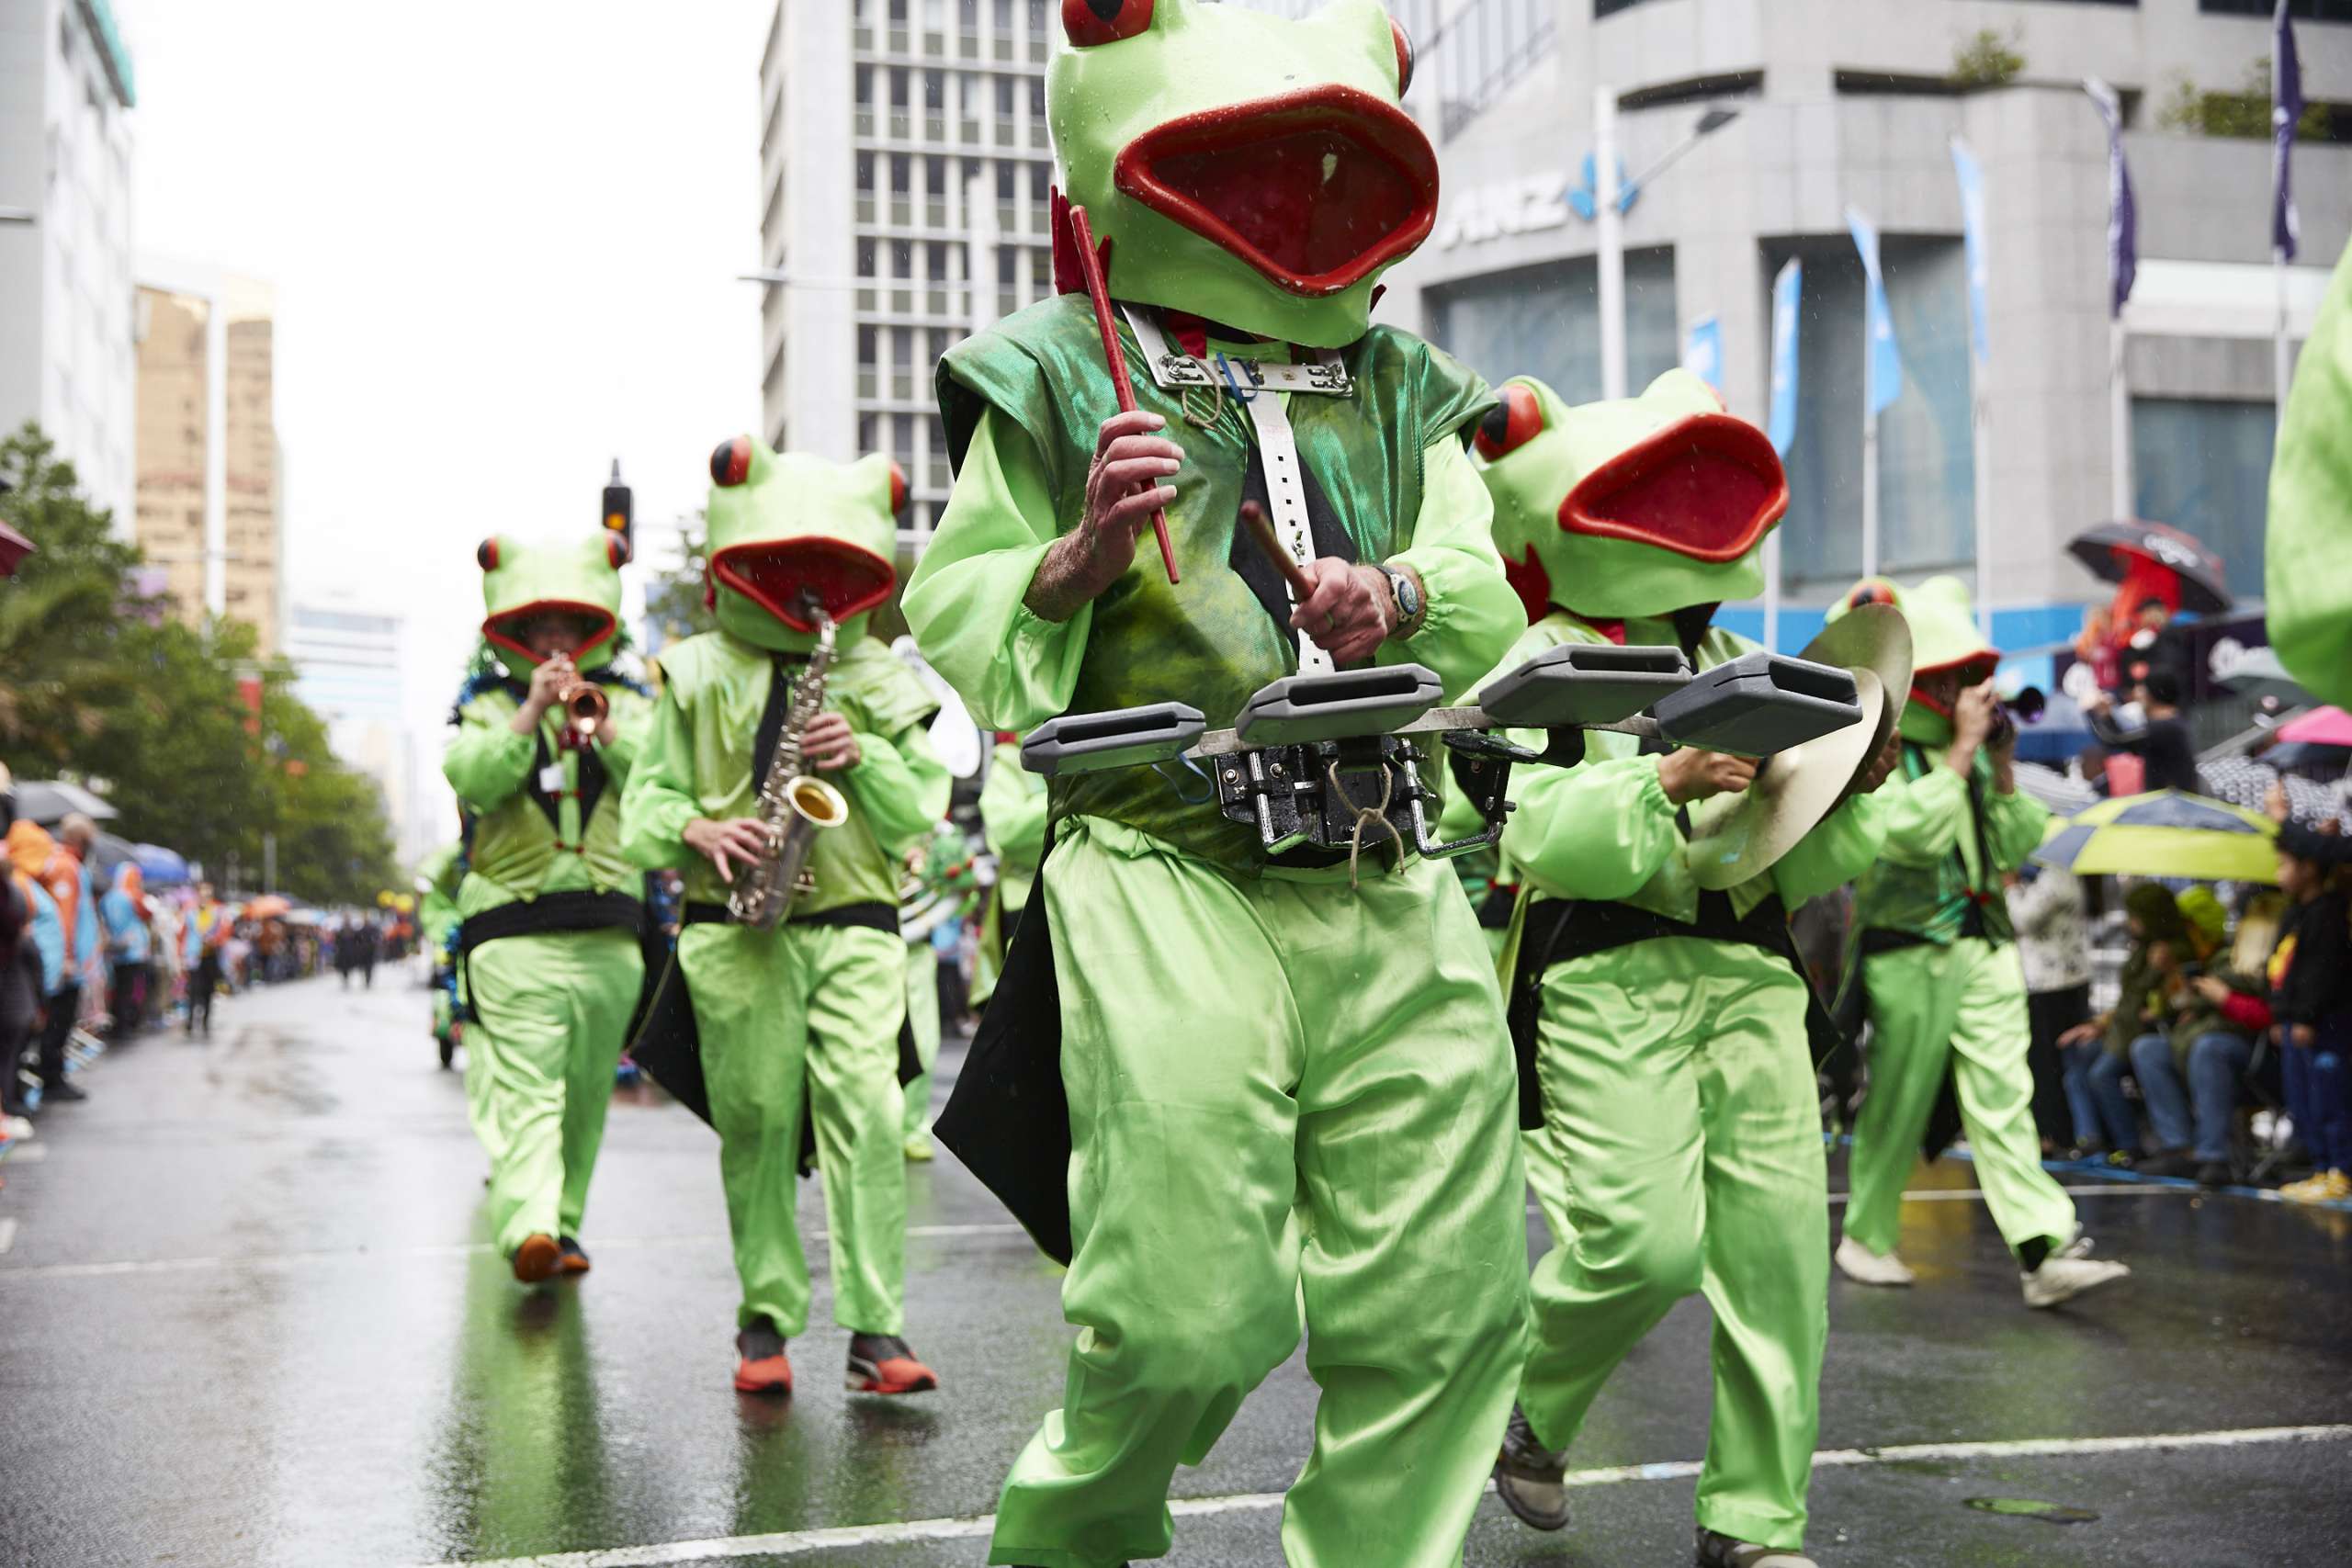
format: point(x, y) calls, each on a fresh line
point(2170, 1163)
point(570, 1258)
point(2214, 1173)
point(1527, 1476)
point(62, 1093)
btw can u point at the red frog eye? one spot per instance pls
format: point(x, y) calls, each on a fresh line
point(486, 554)
point(617, 551)
point(1510, 423)
point(1092, 22)
point(1404, 56)
point(898, 488)
point(731, 465)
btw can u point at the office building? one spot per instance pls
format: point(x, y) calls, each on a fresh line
point(66, 92)
point(905, 167)
point(347, 662)
point(211, 492)
point(1854, 104)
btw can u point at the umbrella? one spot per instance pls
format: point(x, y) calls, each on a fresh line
point(160, 868)
point(2061, 794)
point(52, 802)
point(2242, 781)
point(267, 905)
point(2166, 833)
point(2321, 726)
point(2111, 549)
point(13, 548)
point(2258, 674)
point(108, 852)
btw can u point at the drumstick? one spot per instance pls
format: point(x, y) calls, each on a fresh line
point(1090, 266)
point(1253, 518)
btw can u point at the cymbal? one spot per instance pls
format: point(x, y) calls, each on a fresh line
point(1734, 837)
point(1876, 637)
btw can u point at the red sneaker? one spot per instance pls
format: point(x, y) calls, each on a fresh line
point(761, 1365)
point(883, 1363)
point(536, 1257)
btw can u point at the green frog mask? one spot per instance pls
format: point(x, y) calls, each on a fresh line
point(1639, 507)
point(783, 526)
point(581, 577)
point(1944, 639)
point(1247, 168)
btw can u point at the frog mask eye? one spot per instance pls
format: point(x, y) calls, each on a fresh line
point(1511, 423)
point(1091, 23)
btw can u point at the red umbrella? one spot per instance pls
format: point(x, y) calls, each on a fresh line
point(2124, 550)
point(13, 547)
point(2321, 726)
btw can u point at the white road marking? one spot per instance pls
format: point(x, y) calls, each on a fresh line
point(31, 1154)
point(947, 1232)
point(7, 1232)
point(453, 1249)
point(719, 1548)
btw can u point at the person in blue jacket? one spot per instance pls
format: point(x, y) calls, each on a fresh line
point(129, 948)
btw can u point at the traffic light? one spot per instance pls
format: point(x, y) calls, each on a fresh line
point(621, 513)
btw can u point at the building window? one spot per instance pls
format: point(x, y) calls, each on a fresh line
point(902, 259)
point(867, 342)
point(902, 174)
point(2302, 10)
point(934, 177)
point(934, 91)
point(865, 173)
point(1002, 13)
point(898, 12)
point(935, 261)
point(1041, 181)
point(1004, 97)
point(864, 257)
point(1037, 97)
point(865, 86)
point(2204, 466)
point(898, 88)
point(1007, 263)
point(1036, 18)
point(1006, 176)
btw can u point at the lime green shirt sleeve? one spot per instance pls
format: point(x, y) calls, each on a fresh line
point(1596, 830)
point(488, 762)
point(1838, 851)
point(2014, 825)
point(659, 799)
point(1012, 815)
point(1474, 615)
point(900, 786)
point(620, 744)
point(1013, 670)
point(1921, 817)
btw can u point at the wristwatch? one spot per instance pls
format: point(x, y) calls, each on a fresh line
point(1407, 592)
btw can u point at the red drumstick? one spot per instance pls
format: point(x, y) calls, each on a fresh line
point(1090, 266)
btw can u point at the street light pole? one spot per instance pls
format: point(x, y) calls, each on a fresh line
point(1610, 252)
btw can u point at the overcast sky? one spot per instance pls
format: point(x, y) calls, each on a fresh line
point(504, 236)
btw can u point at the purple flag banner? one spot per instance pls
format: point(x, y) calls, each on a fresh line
point(2286, 109)
point(2123, 220)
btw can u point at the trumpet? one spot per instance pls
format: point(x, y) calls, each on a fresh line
point(584, 706)
point(2026, 707)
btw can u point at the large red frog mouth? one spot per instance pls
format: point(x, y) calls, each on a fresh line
point(1707, 487)
point(1315, 189)
point(776, 575)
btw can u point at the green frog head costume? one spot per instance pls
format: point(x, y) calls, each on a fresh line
point(1945, 640)
point(1637, 508)
point(579, 577)
point(1253, 170)
point(785, 526)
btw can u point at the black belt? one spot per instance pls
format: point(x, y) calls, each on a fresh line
point(1558, 929)
point(578, 911)
point(874, 915)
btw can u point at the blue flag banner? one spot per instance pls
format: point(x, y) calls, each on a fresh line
point(2122, 218)
point(1970, 175)
point(2286, 109)
point(1884, 366)
point(1703, 352)
point(1788, 289)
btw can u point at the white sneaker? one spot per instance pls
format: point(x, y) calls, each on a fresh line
point(2067, 1273)
point(1862, 1266)
point(16, 1129)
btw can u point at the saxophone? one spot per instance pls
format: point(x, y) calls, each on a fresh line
point(793, 803)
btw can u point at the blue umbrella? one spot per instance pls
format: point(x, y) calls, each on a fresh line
point(160, 868)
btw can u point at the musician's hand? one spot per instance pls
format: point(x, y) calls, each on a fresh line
point(547, 680)
point(1972, 725)
point(1691, 774)
point(1351, 611)
point(1129, 479)
point(1881, 768)
point(738, 838)
point(829, 744)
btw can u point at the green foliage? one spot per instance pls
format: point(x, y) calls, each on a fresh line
point(99, 685)
point(1988, 60)
point(2243, 113)
point(673, 597)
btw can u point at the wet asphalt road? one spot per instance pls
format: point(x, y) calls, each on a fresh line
point(247, 1316)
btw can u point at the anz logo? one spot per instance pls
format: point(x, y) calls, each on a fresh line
point(1506, 207)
